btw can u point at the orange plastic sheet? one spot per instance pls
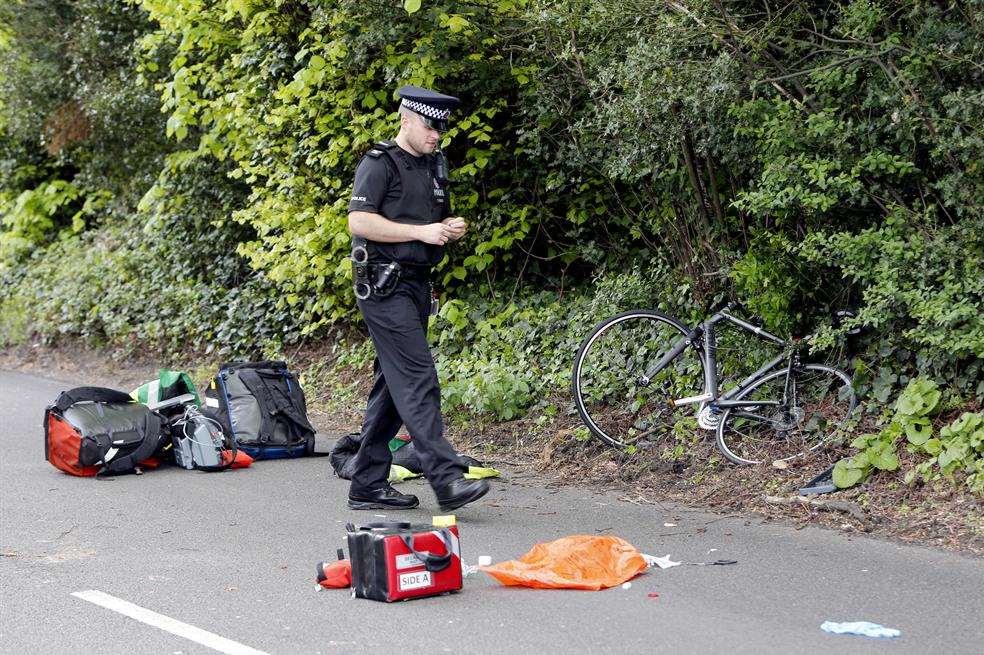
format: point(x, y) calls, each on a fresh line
point(577, 562)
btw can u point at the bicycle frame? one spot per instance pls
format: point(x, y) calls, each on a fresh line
point(709, 355)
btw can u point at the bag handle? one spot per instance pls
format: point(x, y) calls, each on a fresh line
point(432, 562)
point(94, 394)
point(392, 525)
point(267, 363)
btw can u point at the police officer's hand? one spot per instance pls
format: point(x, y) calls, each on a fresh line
point(434, 233)
point(457, 225)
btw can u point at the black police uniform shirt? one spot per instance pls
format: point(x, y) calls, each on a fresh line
point(379, 189)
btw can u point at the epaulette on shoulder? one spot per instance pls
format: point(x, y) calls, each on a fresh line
point(377, 150)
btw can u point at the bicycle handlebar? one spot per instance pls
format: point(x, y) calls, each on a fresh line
point(730, 305)
point(751, 327)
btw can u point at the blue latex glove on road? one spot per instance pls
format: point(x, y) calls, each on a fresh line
point(863, 628)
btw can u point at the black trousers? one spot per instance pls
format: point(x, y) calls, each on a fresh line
point(404, 391)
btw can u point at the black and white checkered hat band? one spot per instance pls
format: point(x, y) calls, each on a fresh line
point(426, 110)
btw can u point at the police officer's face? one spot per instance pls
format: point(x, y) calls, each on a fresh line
point(422, 138)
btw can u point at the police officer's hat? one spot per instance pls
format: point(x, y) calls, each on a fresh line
point(435, 108)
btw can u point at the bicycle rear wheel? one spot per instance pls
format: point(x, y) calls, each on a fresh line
point(821, 400)
point(615, 403)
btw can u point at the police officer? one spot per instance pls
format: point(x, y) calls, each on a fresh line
point(400, 214)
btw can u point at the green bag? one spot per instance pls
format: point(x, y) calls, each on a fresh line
point(168, 385)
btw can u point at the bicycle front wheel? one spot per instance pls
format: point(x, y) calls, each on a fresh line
point(819, 401)
point(617, 405)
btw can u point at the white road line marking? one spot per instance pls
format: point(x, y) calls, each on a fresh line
point(166, 623)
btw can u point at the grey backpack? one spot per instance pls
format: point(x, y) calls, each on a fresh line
point(94, 430)
point(262, 405)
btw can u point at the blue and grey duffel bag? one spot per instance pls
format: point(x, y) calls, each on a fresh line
point(263, 406)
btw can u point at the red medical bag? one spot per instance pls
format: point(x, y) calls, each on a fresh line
point(398, 561)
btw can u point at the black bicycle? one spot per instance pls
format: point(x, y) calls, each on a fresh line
point(639, 375)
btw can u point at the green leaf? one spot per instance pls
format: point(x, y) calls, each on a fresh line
point(909, 405)
point(884, 460)
point(861, 441)
point(921, 397)
point(411, 5)
point(860, 461)
point(173, 123)
point(845, 477)
point(967, 422)
point(457, 23)
point(918, 430)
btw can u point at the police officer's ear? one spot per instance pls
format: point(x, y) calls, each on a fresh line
point(406, 117)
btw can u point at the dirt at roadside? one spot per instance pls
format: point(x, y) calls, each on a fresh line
point(936, 515)
point(80, 365)
point(933, 515)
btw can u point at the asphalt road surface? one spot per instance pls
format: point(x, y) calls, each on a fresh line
point(228, 560)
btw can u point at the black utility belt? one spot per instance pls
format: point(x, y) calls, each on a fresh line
point(407, 271)
point(380, 279)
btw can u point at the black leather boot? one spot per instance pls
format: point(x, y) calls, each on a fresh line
point(460, 492)
point(382, 498)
